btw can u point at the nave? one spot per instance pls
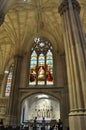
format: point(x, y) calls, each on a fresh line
point(43, 53)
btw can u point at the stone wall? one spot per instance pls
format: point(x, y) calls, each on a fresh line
point(3, 107)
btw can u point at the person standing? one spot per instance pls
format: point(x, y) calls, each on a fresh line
point(60, 125)
point(35, 124)
point(1, 124)
point(43, 124)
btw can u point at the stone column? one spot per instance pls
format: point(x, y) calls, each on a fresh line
point(13, 99)
point(74, 42)
point(1, 80)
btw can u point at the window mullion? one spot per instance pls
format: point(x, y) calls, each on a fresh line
point(37, 70)
point(45, 70)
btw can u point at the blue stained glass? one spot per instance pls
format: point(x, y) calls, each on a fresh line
point(33, 59)
point(49, 69)
point(41, 58)
point(49, 58)
point(9, 82)
point(33, 64)
point(41, 70)
point(49, 52)
point(33, 54)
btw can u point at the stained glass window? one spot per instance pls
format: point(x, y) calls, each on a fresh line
point(9, 81)
point(41, 63)
point(41, 69)
point(49, 67)
point(33, 65)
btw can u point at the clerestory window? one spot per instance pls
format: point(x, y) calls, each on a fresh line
point(41, 63)
point(9, 81)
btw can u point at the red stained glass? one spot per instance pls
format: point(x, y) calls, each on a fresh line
point(41, 63)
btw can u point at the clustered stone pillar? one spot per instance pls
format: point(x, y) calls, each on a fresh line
point(1, 22)
point(13, 99)
point(75, 51)
point(1, 80)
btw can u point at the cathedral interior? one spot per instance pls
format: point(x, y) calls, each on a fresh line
point(43, 62)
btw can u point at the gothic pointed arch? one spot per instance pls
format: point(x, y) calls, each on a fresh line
point(41, 63)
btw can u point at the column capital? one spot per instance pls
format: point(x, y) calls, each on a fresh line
point(65, 6)
point(1, 18)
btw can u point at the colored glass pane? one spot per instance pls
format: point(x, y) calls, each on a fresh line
point(9, 82)
point(49, 68)
point(41, 63)
point(41, 69)
point(41, 44)
point(33, 64)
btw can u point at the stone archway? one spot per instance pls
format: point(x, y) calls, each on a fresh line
point(40, 105)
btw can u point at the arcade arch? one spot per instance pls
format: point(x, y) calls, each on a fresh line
point(40, 105)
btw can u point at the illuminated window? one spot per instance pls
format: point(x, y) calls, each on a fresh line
point(49, 70)
point(9, 81)
point(41, 63)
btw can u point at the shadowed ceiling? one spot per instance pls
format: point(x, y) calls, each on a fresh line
point(27, 19)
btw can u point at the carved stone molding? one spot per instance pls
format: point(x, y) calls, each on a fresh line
point(3, 101)
point(65, 6)
point(3, 106)
point(2, 110)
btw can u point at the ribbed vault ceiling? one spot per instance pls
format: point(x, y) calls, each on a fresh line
point(28, 19)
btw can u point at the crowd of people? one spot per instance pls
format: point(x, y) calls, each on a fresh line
point(58, 126)
point(9, 127)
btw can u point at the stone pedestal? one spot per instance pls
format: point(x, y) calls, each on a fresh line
point(77, 120)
